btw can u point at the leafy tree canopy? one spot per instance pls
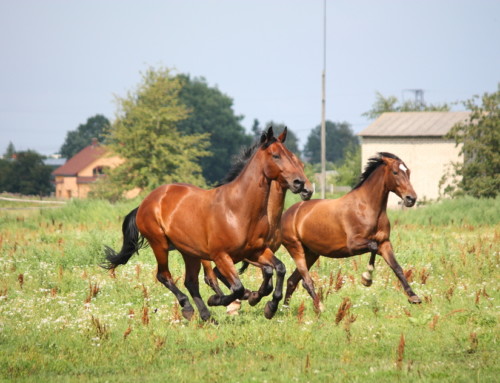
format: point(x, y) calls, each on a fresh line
point(10, 152)
point(211, 112)
point(292, 142)
point(392, 104)
point(76, 140)
point(339, 139)
point(25, 174)
point(145, 135)
point(479, 138)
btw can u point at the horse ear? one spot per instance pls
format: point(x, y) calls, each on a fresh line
point(270, 133)
point(282, 136)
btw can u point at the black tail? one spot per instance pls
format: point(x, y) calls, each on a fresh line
point(132, 243)
point(243, 267)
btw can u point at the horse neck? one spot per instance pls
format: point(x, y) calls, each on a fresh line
point(276, 203)
point(374, 191)
point(251, 189)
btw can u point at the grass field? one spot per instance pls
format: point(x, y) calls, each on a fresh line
point(64, 319)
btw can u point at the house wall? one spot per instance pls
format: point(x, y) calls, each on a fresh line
point(428, 158)
point(68, 187)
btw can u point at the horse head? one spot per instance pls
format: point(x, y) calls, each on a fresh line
point(281, 165)
point(397, 179)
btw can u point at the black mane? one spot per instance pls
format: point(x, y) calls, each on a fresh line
point(372, 164)
point(239, 162)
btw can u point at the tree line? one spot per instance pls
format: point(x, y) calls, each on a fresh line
point(174, 128)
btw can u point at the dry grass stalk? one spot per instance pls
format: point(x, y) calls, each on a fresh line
point(409, 275)
point(93, 291)
point(127, 332)
point(308, 363)
point(339, 281)
point(53, 291)
point(424, 275)
point(145, 315)
point(400, 352)
point(474, 342)
point(349, 320)
point(138, 271)
point(343, 310)
point(3, 292)
point(101, 329)
point(20, 279)
point(434, 322)
point(145, 292)
point(300, 312)
point(160, 342)
point(449, 293)
point(176, 314)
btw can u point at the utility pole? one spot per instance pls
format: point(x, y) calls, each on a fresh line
point(323, 106)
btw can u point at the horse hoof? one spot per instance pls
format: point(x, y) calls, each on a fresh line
point(187, 313)
point(233, 307)
point(268, 310)
point(214, 300)
point(366, 280)
point(253, 298)
point(414, 299)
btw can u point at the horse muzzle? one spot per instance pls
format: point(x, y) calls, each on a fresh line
point(299, 186)
point(409, 201)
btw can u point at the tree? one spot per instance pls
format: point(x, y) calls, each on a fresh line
point(25, 174)
point(292, 142)
point(339, 139)
point(145, 136)
point(211, 112)
point(390, 104)
point(76, 140)
point(349, 169)
point(10, 152)
point(479, 138)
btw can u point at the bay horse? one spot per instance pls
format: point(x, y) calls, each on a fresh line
point(354, 224)
point(275, 207)
point(225, 225)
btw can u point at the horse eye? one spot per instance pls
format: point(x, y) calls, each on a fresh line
point(276, 156)
point(395, 173)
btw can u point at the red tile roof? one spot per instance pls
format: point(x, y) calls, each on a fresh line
point(80, 160)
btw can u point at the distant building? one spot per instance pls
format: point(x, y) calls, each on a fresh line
point(418, 139)
point(73, 179)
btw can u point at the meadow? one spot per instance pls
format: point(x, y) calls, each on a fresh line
point(65, 319)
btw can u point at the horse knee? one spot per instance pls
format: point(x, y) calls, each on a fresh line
point(280, 269)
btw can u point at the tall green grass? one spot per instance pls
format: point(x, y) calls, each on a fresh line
point(64, 319)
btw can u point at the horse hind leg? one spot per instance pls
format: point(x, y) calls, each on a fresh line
point(191, 282)
point(367, 276)
point(160, 249)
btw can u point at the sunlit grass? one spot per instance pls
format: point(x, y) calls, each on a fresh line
point(62, 318)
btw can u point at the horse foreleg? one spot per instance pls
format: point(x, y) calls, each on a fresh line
point(269, 263)
point(366, 277)
point(387, 253)
point(210, 277)
point(226, 267)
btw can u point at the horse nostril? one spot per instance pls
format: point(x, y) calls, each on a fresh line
point(411, 200)
point(298, 184)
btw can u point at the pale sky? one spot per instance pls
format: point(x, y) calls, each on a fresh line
point(63, 61)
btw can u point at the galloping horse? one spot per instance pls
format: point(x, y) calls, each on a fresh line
point(354, 224)
point(275, 207)
point(225, 225)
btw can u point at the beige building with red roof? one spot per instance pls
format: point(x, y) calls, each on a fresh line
point(418, 139)
point(74, 178)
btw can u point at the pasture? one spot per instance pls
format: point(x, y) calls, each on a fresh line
point(64, 319)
